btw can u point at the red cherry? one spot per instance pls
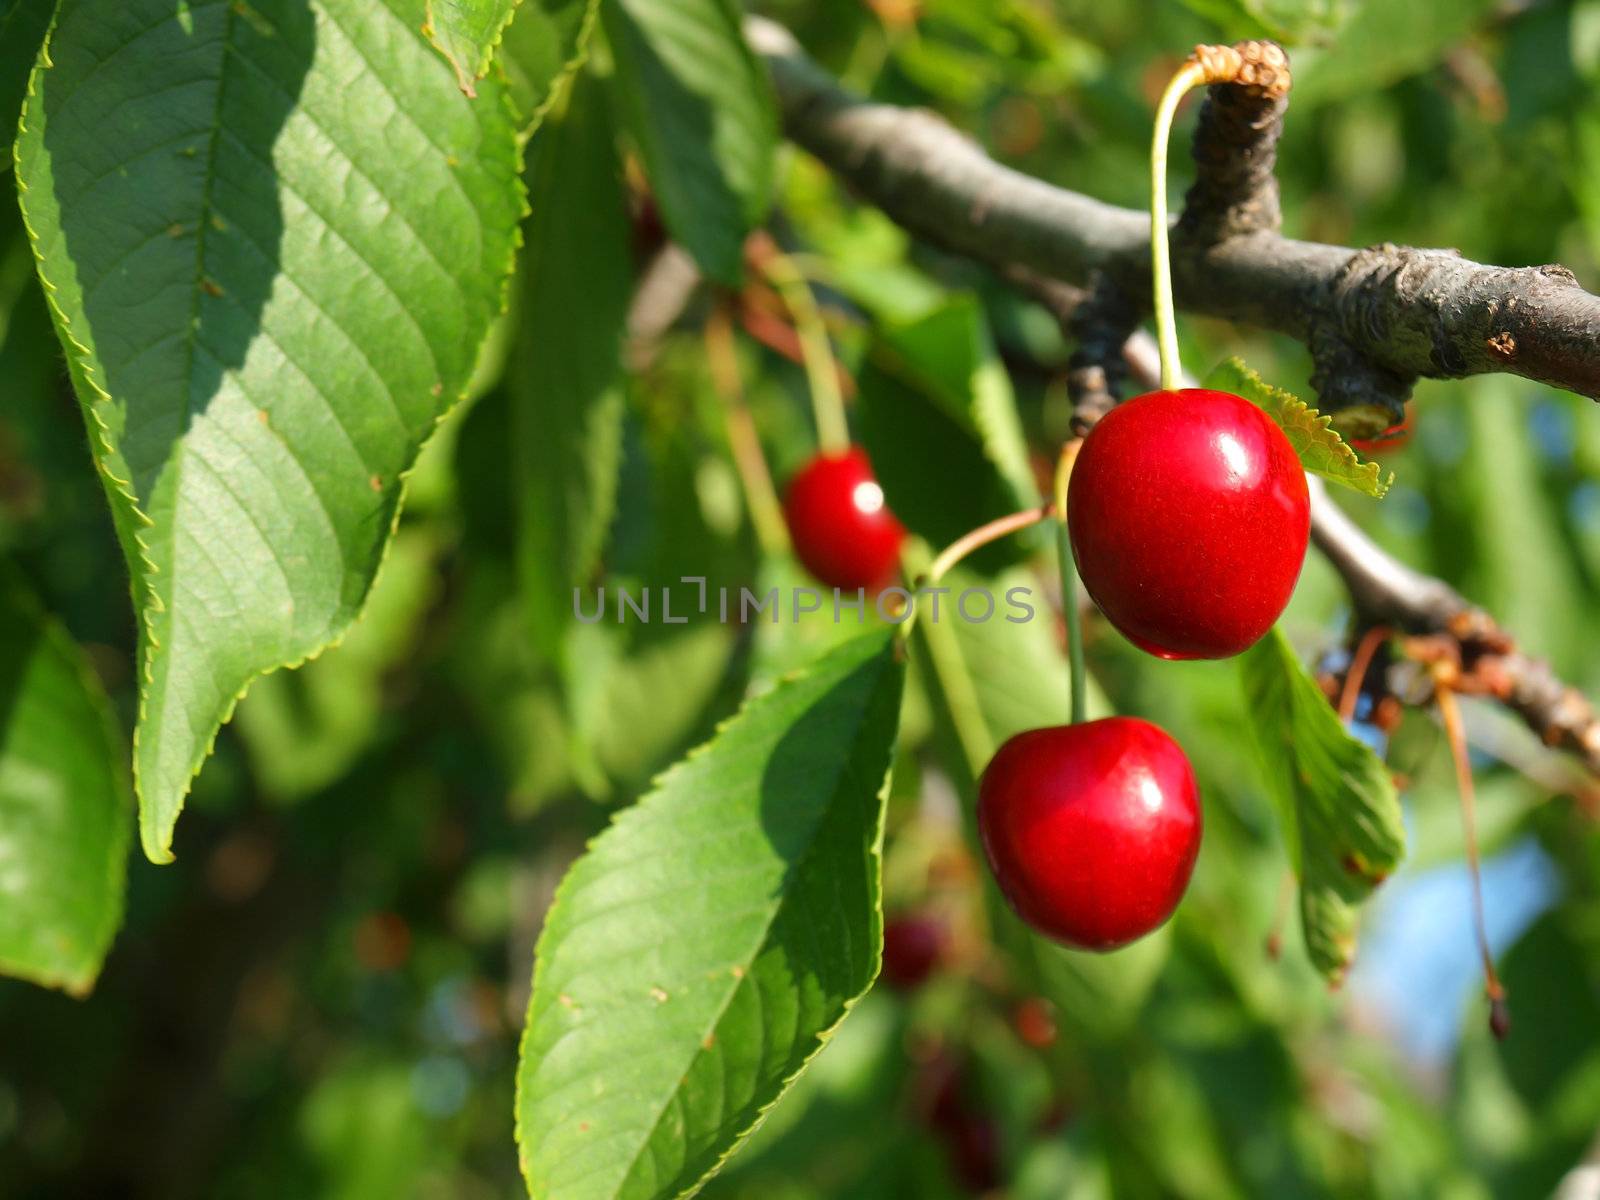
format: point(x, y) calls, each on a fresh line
point(913, 945)
point(1091, 830)
point(842, 530)
point(1189, 517)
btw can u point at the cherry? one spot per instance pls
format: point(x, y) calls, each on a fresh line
point(1091, 830)
point(913, 945)
point(842, 530)
point(1189, 517)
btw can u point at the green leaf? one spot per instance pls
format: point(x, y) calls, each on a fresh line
point(705, 947)
point(466, 32)
point(22, 28)
point(935, 406)
point(274, 237)
point(304, 729)
point(563, 384)
point(545, 43)
point(1322, 451)
point(65, 812)
point(700, 107)
point(637, 699)
point(1018, 668)
point(1340, 811)
point(1381, 44)
point(1285, 20)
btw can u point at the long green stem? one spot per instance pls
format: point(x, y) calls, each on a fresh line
point(816, 351)
point(766, 512)
point(951, 675)
point(1190, 75)
point(1077, 669)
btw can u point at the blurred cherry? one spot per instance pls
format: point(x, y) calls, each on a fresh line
point(913, 946)
point(842, 530)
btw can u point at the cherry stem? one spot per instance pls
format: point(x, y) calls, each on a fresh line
point(1360, 661)
point(950, 671)
point(1190, 75)
point(1077, 669)
point(816, 351)
point(744, 443)
point(1455, 730)
point(993, 531)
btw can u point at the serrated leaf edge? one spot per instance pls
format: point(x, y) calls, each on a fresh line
point(155, 839)
point(893, 645)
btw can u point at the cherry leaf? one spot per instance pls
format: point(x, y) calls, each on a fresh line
point(1340, 812)
point(709, 942)
point(1322, 451)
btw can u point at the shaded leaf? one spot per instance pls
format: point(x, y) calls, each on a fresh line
point(562, 384)
point(65, 812)
point(1340, 811)
point(935, 407)
point(700, 107)
point(1322, 451)
point(702, 950)
point(261, 344)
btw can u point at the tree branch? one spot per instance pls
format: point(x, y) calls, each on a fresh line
point(1375, 319)
point(1382, 316)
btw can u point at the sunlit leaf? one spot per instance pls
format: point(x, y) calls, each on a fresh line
point(1322, 451)
point(65, 812)
point(274, 236)
point(1337, 800)
point(704, 948)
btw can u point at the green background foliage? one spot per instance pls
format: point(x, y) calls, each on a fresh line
point(356, 367)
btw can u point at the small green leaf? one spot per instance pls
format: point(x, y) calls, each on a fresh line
point(562, 380)
point(1340, 811)
point(700, 107)
point(703, 950)
point(65, 812)
point(466, 32)
point(935, 407)
point(1322, 451)
point(274, 236)
point(545, 43)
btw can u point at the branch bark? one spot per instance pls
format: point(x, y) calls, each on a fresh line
point(1375, 319)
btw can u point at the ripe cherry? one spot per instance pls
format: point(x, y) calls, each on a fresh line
point(1091, 830)
point(842, 530)
point(1189, 516)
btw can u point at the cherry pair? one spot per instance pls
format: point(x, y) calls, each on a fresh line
point(1189, 515)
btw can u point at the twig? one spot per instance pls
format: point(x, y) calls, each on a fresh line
point(1388, 309)
point(1403, 312)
